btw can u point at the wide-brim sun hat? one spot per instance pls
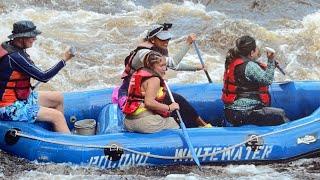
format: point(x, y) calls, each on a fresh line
point(160, 31)
point(24, 29)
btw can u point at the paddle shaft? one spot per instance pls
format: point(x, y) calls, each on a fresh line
point(36, 85)
point(272, 51)
point(184, 130)
point(201, 61)
point(280, 69)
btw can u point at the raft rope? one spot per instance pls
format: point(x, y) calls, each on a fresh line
point(116, 146)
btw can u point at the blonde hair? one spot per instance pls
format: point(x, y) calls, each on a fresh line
point(152, 58)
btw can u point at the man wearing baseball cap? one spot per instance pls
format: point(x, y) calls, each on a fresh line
point(18, 101)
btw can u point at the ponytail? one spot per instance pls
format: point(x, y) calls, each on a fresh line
point(232, 54)
point(244, 46)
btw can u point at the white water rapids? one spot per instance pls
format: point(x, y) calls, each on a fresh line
point(105, 31)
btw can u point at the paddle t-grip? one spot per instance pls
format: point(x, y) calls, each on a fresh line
point(73, 50)
point(269, 49)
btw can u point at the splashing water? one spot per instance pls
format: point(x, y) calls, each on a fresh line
point(104, 32)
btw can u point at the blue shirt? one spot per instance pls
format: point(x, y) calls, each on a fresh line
point(19, 60)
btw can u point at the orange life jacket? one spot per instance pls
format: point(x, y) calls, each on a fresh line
point(135, 97)
point(18, 86)
point(233, 89)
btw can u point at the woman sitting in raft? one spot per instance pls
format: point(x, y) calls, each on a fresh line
point(144, 108)
point(157, 40)
point(245, 91)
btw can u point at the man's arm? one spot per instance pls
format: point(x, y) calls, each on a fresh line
point(20, 62)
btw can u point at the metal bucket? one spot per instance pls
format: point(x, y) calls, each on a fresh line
point(85, 127)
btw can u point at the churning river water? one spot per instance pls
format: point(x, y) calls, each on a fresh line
point(105, 31)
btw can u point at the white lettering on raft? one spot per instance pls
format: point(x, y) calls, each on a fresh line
point(208, 154)
point(224, 153)
point(125, 160)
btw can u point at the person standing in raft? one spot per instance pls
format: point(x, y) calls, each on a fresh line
point(245, 90)
point(18, 101)
point(144, 108)
point(157, 39)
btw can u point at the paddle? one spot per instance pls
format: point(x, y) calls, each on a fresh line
point(202, 63)
point(276, 62)
point(184, 130)
point(279, 68)
point(36, 85)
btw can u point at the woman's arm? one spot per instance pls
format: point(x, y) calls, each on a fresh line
point(188, 67)
point(175, 61)
point(151, 87)
point(255, 73)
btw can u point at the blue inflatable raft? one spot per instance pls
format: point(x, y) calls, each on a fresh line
point(113, 147)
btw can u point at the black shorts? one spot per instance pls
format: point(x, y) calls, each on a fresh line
point(262, 116)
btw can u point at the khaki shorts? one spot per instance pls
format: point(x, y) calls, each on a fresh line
point(147, 122)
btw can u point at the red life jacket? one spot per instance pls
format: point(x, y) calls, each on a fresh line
point(135, 97)
point(18, 86)
point(129, 70)
point(233, 89)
